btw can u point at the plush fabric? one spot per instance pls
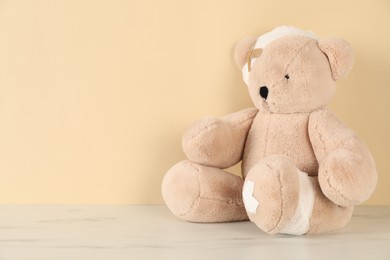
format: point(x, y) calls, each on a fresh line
point(269, 37)
point(218, 142)
point(203, 194)
point(303, 170)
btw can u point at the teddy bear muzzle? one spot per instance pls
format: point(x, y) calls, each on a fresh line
point(264, 92)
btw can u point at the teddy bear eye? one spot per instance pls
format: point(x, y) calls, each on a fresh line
point(286, 76)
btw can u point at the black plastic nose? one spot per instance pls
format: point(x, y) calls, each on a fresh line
point(264, 92)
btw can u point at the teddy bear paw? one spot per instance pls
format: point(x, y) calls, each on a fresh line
point(278, 197)
point(199, 193)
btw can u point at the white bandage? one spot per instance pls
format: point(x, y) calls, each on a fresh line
point(300, 222)
point(267, 38)
point(250, 202)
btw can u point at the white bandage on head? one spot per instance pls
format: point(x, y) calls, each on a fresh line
point(267, 38)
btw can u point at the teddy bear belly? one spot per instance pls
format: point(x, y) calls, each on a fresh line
point(285, 134)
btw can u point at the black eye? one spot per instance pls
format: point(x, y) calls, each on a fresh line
point(286, 76)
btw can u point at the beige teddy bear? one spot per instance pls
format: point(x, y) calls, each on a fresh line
point(303, 170)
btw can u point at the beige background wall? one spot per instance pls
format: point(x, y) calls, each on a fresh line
point(94, 95)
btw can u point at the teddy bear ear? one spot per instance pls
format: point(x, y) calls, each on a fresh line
point(241, 50)
point(340, 55)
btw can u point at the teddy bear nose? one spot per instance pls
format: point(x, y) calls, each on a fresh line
point(264, 92)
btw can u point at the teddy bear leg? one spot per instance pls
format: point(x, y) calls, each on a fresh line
point(271, 195)
point(281, 199)
point(327, 216)
point(198, 193)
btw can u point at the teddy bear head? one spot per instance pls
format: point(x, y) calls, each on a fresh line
point(292, 71)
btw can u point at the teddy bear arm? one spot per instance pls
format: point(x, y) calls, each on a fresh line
point(218, 141)
point(347, 173)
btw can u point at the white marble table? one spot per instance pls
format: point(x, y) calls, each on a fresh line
point(152, 232)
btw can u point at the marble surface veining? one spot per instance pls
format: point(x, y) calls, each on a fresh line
point(152, 232)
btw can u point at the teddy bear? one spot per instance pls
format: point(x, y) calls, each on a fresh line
point(303, 170)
